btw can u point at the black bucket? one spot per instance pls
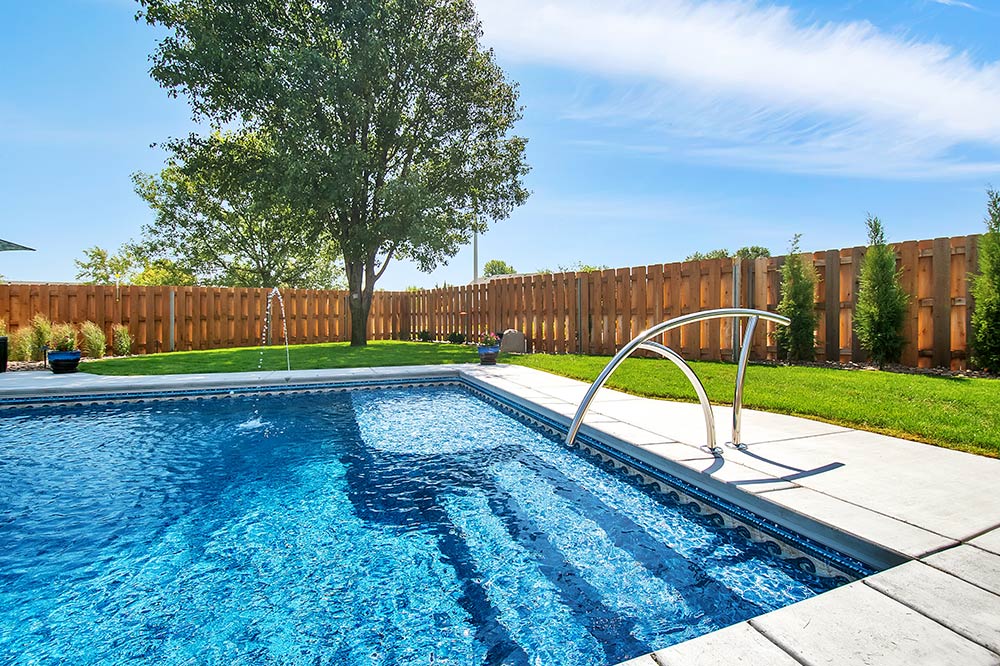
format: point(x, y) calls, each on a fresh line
point(3, 353)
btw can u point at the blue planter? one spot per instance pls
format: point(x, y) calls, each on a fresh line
point(64, 361)
point(488, 355)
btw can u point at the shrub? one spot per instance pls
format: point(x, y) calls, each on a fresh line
point(63, 338)
point(456, 338)
point(986, 291)
point(41, 336)
point(92, 340)
point(19, 344)
point(121, 340)
point(882, 302)
point(797, 341)
point(424, 336)
point(3, 328)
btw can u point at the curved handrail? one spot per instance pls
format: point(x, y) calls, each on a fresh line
point(641, 341)
point(699, 388)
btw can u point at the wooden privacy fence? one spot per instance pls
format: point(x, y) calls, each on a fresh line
point(591, 313)
point(184, 318)
point(599, 312)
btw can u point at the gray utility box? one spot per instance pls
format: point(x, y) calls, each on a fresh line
point(512, 341)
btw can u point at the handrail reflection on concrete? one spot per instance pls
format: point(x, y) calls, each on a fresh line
point(642, 341)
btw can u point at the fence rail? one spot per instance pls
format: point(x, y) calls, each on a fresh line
point(591, 313)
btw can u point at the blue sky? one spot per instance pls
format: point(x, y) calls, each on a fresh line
point(655, 128)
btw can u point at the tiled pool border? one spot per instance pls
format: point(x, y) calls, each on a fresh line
point(808, 555)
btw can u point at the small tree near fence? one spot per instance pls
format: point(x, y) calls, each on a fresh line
point(797, 341)
point(882, 302)
point(495, 267)
point(986, 291)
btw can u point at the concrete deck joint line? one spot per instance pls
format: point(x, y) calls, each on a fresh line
point(787, 649)
point(916, 609)
point(979, 534)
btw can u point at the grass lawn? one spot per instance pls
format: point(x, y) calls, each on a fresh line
point(303, 357)
point(956, 413)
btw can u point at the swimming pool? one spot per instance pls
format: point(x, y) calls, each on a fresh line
point(402, 525)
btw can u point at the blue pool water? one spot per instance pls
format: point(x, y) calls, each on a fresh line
point(399, 526)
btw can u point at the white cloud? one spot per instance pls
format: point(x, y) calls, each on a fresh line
point(752, 83)
point(956, 3)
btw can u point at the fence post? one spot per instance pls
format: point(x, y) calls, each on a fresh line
point(173, 295)
point(579, 315)
point(737, 279)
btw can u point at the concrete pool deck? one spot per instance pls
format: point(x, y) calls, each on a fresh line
point(931, 516)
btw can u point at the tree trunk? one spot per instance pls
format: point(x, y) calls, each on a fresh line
point(360, 307)
point(356, 301)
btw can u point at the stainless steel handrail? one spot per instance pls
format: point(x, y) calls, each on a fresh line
point(641, 341)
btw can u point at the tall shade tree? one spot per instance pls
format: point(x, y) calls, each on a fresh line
point(878, 320)
point(392, 123)
point(220, 208)
point(986, 291)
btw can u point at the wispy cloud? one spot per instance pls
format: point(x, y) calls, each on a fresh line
point(956, 3)
point(751, 84)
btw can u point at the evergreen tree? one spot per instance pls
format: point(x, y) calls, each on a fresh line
point(986, 291)
point(797, 341)
point(882, 302)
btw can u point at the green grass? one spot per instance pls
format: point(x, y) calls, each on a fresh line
point(957, 413)
point(303, 357)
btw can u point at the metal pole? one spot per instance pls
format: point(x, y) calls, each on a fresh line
point(475, 256)
point(741, 372)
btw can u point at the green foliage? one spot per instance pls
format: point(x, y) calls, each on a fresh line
point(219, 208)
point(495, 267)
point(63, 337)
point(424, 336)
point(92, 340)
point(391, 124)
point(41, 336)
point(752, 252)
point(881, 310)
point(745, 252)
point(580, 267)
point(19, 345)
point(101, 267)
point(986, 291)
point(721, 253)
point(121, 340)
point(164, 273)
point(797, 341)
point(456, 338)
point(132, 264)
point(3, 328)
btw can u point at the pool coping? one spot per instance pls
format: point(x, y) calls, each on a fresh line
point(941, 587)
